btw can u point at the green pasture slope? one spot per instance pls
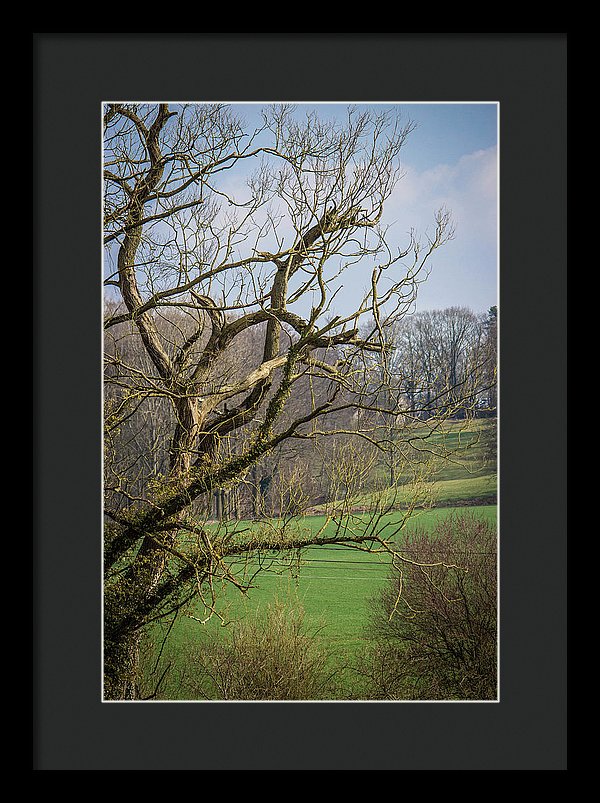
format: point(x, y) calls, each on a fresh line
point(462, 465)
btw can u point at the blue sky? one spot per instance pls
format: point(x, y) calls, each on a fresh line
point(451, 160)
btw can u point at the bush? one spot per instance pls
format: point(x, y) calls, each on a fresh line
point(268, 657)
point(434, 628)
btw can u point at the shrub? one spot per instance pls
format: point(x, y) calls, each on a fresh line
point(434, 627)
point(266, 657)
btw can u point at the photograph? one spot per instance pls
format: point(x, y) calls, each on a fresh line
point(301, 395)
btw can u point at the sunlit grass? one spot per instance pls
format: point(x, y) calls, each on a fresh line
point(332, 584)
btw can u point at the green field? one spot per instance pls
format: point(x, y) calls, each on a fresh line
point(333, 585)
point(453, 464)
point(467, 490)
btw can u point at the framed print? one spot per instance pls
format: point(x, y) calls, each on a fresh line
point(287, 322)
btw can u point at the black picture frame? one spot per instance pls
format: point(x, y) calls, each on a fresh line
point(73, 73)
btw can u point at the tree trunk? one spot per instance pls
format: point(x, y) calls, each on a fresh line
point(185, 435)
point(125, 612)
point(121, 667)
point(255, 493)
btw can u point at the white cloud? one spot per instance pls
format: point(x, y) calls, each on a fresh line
point(468, 188)
point(464, 271)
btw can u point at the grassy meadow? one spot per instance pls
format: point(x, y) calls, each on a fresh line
point(332, 585)
point(456, 463)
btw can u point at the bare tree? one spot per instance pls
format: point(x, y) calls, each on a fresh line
point(490, 349)
point(442, 360)
point(200, 263)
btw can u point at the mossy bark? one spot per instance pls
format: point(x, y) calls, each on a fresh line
point(121, 667)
